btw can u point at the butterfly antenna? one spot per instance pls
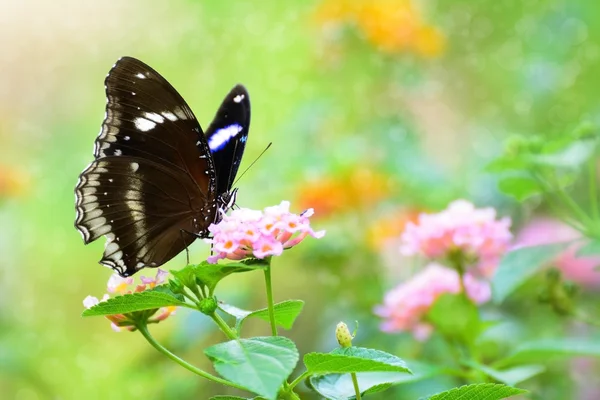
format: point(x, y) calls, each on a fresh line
point(253, 162)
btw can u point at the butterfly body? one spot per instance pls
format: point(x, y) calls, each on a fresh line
point(157, 181)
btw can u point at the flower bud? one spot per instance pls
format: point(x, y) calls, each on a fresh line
point(208, 305)
point(176, 286)
point(343, 336)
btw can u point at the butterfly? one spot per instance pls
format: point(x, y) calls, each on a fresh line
point(157, 181)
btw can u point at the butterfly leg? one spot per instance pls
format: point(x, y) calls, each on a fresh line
point(187, 251)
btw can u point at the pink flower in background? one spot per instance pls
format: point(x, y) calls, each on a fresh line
point(252, 233)
point(542, 231)
point(119, 285)
point(406, 305)
point(476, 233)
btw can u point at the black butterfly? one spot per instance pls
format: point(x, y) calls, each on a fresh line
point(157, 181)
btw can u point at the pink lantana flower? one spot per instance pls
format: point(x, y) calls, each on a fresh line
point(252, 233)
point(119, 285)
point(474, 235)
point(406, 305)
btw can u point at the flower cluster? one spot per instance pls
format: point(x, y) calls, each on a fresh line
point(406, 305)
point(252, 233)
point(392, 26)
point(119, 285)
point(474, 234)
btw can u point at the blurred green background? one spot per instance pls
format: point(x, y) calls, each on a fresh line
point(376, 110)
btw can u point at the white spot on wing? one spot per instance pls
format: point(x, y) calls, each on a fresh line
point(144, 125)
point(169, 115)
point(154, 117)
point(178, 111)
point(223, 135)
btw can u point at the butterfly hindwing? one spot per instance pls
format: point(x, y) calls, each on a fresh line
point(227, 135)
point(141, 207)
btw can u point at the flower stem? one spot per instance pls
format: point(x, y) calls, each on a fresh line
point(270, 297)
point(355, 383)
point(226, 329)
point(299, 379)
point(146, 333)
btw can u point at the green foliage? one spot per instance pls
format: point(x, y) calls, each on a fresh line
point(209, 275)
point(543, 349)
point(260, 364)
point(456, 317)
point(480, 391)
point(520, 187)
point(286, 313)
point(533, 165)
point(128, 303)
point(375, 371)
point(353, 359)
point(519, 265)
point(510, 376)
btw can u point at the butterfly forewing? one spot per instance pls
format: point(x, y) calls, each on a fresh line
point(227, 135)
point(153, 179)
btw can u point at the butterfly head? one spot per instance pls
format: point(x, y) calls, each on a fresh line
point(227, 200)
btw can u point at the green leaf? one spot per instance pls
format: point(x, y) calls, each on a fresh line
point(510, 376)
point(592, 248)
point(572, 156)
point(353, 359)
point(478, 391)
point(186, 276)
point(541, 350)
point(286, 313)
point(340, 386)
point(505, 164)
point(520, 187)
point(519, 265)
point(260, 364)
point(455, 316)
point(210, 274)
point(146, 300)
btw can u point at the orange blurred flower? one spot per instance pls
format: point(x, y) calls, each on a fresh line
point(12, 182)
point(392, 26)
point(358, 188)
point(390, 227)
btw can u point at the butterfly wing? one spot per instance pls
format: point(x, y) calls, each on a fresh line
point(153, 175)
point(227, 135)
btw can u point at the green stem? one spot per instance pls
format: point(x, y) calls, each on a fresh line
point(270, 304)
point(144, 331)
point(555, 199)
point(288, 394)
point(223, 326)
point(197, 293)
point(355, 383)
point(299, 379)
point(568, 200)
point(286, 391)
